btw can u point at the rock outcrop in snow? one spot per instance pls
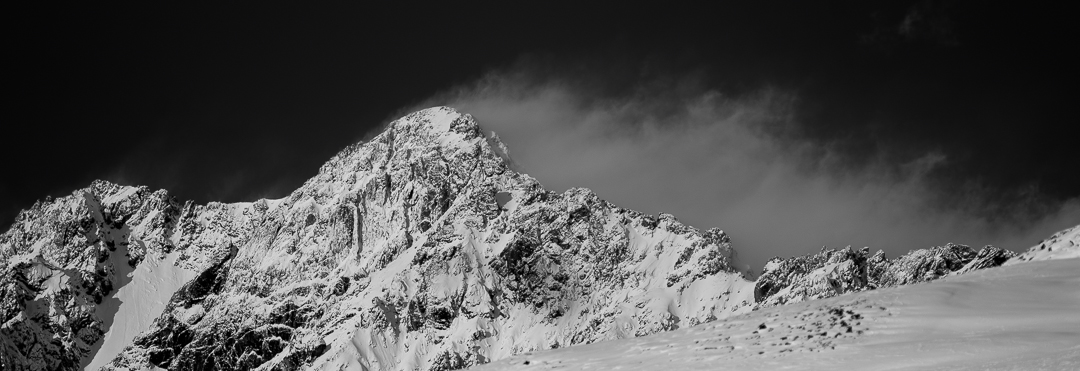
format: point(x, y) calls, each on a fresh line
point(832, 272)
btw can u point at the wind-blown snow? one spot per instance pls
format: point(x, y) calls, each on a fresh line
point(1020, 317)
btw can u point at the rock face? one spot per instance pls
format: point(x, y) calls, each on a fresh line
point(828, 273)
point(420, 249)
point(833, 272)
point(64, 259)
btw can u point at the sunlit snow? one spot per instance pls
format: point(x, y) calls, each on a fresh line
point(135, 305)
point(1020, 317)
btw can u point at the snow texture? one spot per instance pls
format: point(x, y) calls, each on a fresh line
point(1020, 317)
point(138, 303)
point(1062, 245)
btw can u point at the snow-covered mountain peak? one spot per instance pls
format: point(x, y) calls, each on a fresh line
point(432, 131)
point(438, 127)
point(432, 143)
point(421, 248)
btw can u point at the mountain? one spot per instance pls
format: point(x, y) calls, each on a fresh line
point(420, 248)
point(423, 248)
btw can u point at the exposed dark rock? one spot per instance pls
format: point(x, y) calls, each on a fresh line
point(987, 257)
point(833, 272)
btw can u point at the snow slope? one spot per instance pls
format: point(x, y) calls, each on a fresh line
point(1062, 245)
point(1019, 317)
point(138, 303)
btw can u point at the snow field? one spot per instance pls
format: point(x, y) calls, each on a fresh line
point(1024, 317)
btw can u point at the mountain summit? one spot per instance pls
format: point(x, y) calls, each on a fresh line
point(419, 249)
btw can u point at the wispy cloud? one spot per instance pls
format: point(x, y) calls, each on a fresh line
point(666, 144)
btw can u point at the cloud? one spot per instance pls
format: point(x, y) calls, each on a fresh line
point(739, 162)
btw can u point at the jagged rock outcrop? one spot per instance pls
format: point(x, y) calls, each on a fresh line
point(63, 259)
point(828, 273)
point(833, 272)
point(987, 257)
point(923, 265)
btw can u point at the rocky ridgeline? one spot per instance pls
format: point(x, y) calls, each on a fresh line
point(419, 249)
point(64, 257)
point(833, 272)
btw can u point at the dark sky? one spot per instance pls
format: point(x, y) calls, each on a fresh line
point(235, 102)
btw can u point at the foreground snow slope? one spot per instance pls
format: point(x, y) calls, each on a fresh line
point(1019, 317)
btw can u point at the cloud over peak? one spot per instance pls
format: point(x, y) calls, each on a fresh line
point(740, 162)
